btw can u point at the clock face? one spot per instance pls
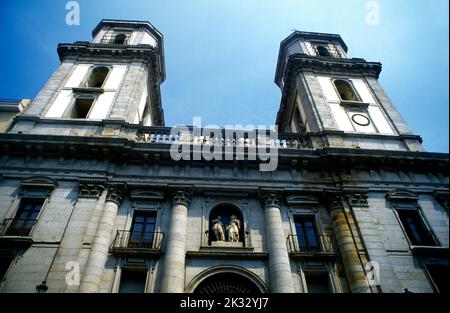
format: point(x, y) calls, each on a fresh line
point(360, 119)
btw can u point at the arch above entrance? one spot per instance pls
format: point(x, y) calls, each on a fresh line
point(226, 279)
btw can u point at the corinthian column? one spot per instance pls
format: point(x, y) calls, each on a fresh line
point(99, 252)
point(347, 247)
point(280, 269)
point(175, 254)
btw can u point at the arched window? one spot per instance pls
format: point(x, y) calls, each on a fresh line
point(226, 224)
point(323, 51)
point(345, 90)
point(120, 38)
point(97, 77)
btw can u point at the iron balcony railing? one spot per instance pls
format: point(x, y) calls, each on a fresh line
point(316, 244)
point(236, 138)
point(17, 227)
point(126, 239)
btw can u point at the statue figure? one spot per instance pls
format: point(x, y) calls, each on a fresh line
point(233, 229)
point(218, 229)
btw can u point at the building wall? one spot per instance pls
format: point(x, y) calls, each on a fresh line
point(382, 238)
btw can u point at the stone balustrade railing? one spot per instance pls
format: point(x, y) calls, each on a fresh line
point(237, 138)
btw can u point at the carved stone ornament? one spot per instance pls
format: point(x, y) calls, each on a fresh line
point(233, 229)
point(218, 229)
point(271, 199)
point(333, 201)
point(182, 196)
point(358, 200)
point(116, 192)
point(91, 188)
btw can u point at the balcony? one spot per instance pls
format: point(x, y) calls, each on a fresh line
point(232, 138)
point(16, 231)
point(319, 247)
point(128, 243)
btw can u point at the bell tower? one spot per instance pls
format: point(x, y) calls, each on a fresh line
point(112, 80)
point(337, 100)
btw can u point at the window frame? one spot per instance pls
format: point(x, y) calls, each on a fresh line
point(110, 35)
point(16, 205)
point(324, 271)
point(140, 264)
point(89, 74)
point(334, 53)
point(72, 103)
point(296, 210)
point(414, 207)
point(138, 269)
point(353, 89)
point(317, 232)
point(141, 212)
point(142, 205)
point(319, 47)
point(21, 209)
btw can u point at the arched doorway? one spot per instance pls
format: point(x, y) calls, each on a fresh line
point(226, 279)
point(226, 283)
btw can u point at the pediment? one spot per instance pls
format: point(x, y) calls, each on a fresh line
point(401, 194)
point(302, 200)
point(142, 194)
point(41, 182)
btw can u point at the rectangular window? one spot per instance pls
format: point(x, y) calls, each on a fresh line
point(25, 217)
point(318, 282)
point(132, 281)
point(415, 228)
point(81, 108)
point(306, 233)
point(142, 230)
point(439, 275)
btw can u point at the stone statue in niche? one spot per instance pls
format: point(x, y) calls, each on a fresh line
point(218, 229)
point(233, 229)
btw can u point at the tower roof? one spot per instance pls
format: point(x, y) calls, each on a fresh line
point(128, 24)
point(297, 35)
point(315, 36)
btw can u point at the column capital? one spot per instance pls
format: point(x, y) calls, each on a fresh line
point(356, 196)
point(90, 187)
point(333, 200)
point(182, 196)
point(357, 199)
point(116, 192)
point(270, 199)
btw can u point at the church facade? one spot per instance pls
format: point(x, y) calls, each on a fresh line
point(93, 200)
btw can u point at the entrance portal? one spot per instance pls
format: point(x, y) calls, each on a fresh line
point(226, 283)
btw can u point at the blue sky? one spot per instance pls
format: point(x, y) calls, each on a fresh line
point(221, 54)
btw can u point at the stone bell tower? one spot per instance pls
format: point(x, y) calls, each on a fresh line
point(336, 99)
point(103, 84)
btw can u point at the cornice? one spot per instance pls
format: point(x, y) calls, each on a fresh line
point(302, 61)
point(85, 48)
point(121, 149)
